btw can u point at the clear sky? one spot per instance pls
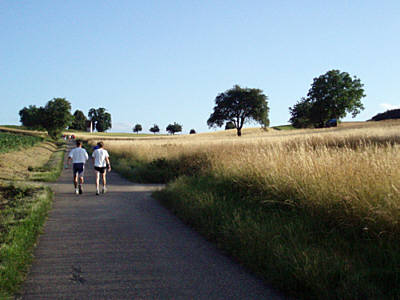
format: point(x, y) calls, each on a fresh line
point(165, 61)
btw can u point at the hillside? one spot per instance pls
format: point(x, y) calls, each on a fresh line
point(389, 114)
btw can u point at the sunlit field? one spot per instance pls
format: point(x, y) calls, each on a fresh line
point(351, 171)
point(315, 212)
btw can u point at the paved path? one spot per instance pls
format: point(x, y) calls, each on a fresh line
point(125, 245)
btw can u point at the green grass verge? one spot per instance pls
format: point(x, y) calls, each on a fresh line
point(53, 168)
point(301, 254)
point(13, 142)
point(159, 170)
point(23, 210)
point(283, 127)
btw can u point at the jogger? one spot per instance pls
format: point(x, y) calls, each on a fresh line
point(102, 164)
point(79, 157)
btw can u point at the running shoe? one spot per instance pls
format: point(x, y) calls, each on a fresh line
point(97, 192)
point(77, 191)
point(80, 189)
point(104, 190)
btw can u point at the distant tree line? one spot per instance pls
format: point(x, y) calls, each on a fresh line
point(331, 97)
point(56, 116)
point(171, 128)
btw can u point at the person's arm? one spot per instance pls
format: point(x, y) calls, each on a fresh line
point(108, 164)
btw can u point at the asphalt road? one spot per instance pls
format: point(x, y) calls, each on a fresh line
point(125, 245)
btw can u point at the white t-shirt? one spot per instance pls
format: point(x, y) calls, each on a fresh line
point(78, 155)
point(100, 157)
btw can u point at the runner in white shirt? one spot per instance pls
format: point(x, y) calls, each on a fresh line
point(101, 163)
point(78, 156)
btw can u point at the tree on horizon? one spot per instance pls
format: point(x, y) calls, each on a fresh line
point(137, 128)
point(174, 128)
point(239, 106)
point(100, 118)
point(332, 96)
point(154, 129)
point(79, 121)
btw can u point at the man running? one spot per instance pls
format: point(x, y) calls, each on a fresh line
point(102, 164)
point(79, 157)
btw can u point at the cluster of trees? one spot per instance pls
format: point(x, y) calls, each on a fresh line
point(171, 128)
point(56, 116)
point(100, 119)
point(331, 96)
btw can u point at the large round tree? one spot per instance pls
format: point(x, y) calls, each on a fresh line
point(239, 106)
point(56, 116)
point(332, 96)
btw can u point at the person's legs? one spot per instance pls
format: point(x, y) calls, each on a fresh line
point(81, 183)
point(80, 172)
point(97, 181)
point(104, 181)
point(76, 181)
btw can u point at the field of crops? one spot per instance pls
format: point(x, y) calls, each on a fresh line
point(11, 142)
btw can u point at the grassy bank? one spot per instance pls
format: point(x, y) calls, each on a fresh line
point(13, 142)
point(42, 162)
point(23, 211)
point(303, 254)
point(52, 169)
point(23, 208)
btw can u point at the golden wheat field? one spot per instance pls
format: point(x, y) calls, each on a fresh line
point(354, 168)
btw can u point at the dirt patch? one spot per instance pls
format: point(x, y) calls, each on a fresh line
point(16, 165)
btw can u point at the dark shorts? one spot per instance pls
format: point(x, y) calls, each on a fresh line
point(77, 169)
point(100, 169)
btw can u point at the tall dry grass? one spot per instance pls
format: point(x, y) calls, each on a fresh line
point(315, 212)
point(350, 173)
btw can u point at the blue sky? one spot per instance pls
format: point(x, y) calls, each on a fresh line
point(161, 62)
